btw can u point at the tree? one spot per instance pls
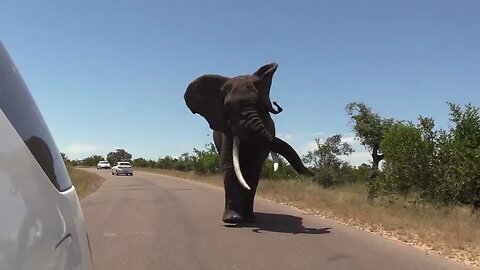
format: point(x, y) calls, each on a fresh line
point(437, 166)
point(67, 161)
point(151, 163)
point(184, 163)
point(410, 152)
point(369, 128)
point(325, 159)
point(459, 157)
point(92, 160)
point(64, 157)
point(118, 155)
point(327, 152)
point(166, 163)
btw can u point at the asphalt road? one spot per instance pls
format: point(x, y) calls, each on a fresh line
point(148, 221)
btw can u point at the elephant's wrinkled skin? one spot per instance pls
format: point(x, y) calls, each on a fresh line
point(238, 110)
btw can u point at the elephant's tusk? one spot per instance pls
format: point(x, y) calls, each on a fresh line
point(236, 164)
point(276, 160)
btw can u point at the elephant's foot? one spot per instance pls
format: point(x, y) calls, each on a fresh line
point(231, 216)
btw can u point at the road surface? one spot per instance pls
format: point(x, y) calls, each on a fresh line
point(148, 221)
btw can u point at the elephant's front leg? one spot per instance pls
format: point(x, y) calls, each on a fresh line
point(233, 212)
point(248, 198)
point(252, 159)
point(233, 197)
point(255, 167)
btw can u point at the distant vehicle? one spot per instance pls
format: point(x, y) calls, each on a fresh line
point(103, 164)
point(122, 167)
point(41, 222)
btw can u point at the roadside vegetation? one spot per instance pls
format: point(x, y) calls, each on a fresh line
point(426, 192)
point(83, 181)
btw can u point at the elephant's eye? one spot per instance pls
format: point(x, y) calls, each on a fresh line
point(230, 105)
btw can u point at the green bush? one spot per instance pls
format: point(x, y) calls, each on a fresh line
point(206, 161)
point(140, 162)
point(435, 166)
point(285, 171)
point(407, 156)
point(326, 178)
point(182, 165)
point(459, 158)
point(330, 177)
point(92, 160)
point(166, 163)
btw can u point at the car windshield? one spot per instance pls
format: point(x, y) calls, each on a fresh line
point(124, 163)
point(104, 162)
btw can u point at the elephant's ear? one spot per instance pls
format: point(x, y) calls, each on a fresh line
point(265, 74)
point(203, 96)
point(263, 84)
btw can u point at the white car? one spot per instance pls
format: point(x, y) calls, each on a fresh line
point(122, 167)
point(103, 164)
point(41, 221)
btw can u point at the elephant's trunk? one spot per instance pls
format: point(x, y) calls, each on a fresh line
point(254, 124)
point(281, 147)
point(251, 121)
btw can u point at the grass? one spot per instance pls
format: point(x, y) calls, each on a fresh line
point(452, 232)
point(84, 182)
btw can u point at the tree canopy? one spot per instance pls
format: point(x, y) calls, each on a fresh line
point(119, 155)
point(369, 128)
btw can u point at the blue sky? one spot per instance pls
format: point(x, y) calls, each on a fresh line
point(109, 74)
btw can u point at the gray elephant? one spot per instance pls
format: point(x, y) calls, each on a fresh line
point(238, 111)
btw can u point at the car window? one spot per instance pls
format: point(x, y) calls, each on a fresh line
point(17, 104)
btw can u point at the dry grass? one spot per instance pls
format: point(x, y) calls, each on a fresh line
point(84, 182)
point(453, 232)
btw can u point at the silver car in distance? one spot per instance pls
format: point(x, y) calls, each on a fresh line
point(122, 167)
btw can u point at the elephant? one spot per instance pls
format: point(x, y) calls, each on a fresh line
point(238, 111)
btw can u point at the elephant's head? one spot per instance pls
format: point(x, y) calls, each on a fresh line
point(240, 107)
